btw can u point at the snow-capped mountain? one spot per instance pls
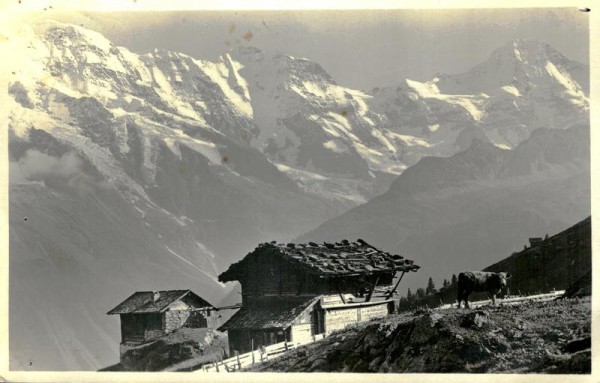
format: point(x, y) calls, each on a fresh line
point(523, 86)
point(311, 126)
point(156, 171)
point(333, 141)
point(319, 134)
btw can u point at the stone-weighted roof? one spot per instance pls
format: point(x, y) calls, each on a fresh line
point(343, 258)
point(268, 317)
point(142, 302)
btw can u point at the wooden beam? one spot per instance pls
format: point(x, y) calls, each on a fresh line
point(341, 294)
point(372, 290)
point(391, 293)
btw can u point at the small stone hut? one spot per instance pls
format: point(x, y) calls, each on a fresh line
point(147, 315)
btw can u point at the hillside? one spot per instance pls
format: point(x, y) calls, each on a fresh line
point(189, 347)
point(560, 262)
point(556, 263)
point(540, 337)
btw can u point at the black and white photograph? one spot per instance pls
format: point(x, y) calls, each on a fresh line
point(211, 192)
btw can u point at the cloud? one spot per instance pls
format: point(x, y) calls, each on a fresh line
point(36, 166)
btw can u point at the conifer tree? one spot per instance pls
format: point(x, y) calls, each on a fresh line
point(430, 287)
point(454, 280)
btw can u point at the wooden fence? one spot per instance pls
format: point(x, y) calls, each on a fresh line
point(237, 362)
point(515, 300)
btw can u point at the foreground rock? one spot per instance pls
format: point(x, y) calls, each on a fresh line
point(540, 337)
point(182, 350)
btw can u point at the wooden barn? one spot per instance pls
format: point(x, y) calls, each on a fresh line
point(147, 315)
point(295, 291)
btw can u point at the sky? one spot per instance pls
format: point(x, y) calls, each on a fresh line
point(360, 49)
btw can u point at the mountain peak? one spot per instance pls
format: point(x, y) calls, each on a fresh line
point(481, 147)
point(526, 51)
point(61, 34)
point(522, 61)
point(525, 43)
point(247, 52)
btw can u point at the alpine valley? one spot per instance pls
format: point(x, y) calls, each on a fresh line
point(155, 171)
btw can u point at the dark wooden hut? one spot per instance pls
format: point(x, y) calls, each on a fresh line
point(147, 315)
point(535, 241)
point(294, 291)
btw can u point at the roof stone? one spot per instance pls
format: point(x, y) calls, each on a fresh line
point(329, 259)
point(146, 302)
point(275, 316)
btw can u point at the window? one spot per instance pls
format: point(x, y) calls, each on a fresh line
point(154, 322)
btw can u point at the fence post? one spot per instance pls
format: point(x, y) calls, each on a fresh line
point(217, 366)
point(252, 356)
point(237, 355)
point(286, 345)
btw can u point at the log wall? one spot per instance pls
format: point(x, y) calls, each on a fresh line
point(339, 318)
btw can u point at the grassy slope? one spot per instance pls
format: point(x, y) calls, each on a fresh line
point(557, 263)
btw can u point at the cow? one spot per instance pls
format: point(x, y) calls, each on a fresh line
point(471, 281)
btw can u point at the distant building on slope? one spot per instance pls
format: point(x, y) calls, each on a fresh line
point(147, 315)
point(293, 292)
point(535, 241)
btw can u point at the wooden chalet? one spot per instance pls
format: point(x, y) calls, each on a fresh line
point(147, 315)
point(535, 241)
point(295, 291)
